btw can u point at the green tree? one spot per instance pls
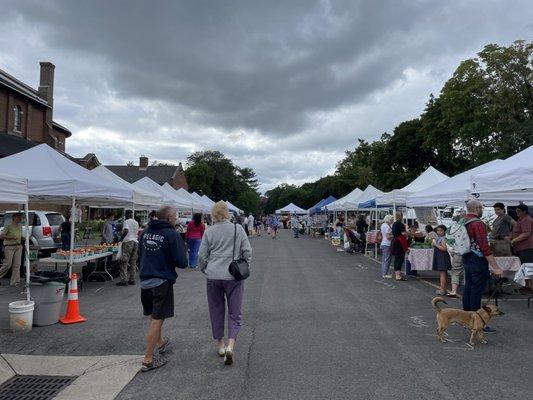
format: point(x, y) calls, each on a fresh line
point(215, 175)
point(248, 201)
point(200, 178)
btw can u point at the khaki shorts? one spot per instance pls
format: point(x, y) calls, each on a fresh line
point(457, 269)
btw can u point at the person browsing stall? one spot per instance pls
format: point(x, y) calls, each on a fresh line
point(12, 237)
point(64, 231)
point(130, 248)
point(386, 237)
point(479, 262)
point(108, 235)
point(441, 259)
point(399, 245)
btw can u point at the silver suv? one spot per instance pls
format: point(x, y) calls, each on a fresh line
point(44, 228)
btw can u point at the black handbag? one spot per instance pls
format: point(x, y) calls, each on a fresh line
point(239, 269)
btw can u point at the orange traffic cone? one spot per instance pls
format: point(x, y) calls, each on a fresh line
point(73, 306)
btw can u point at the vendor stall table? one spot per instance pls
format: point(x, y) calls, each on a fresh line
point(422, 260)
point(82, 260)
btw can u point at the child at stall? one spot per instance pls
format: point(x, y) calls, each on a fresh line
point(441, 258)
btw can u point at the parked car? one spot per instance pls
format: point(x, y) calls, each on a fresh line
point(44, 228)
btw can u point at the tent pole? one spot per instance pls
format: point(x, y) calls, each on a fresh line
point(72, 233)
point(27, 251)
point(376, 227)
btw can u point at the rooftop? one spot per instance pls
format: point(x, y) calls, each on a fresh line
point(132, 173)
point(27, 91)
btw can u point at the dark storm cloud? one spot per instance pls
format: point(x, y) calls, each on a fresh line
point(263, 81)
point(259, 65)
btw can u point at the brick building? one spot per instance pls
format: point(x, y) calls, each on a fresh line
point(171, 174)
point(26, 114)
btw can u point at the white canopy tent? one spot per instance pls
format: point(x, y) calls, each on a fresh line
point(350, 201)
point(510, 180)
point(205, 207)
point(291, 209)
point(152, 186)
point(182, 202)
point(52, 177)
point(454, 191)
point(398, 197)
point(369, 194)
point(141, 198)
point(196, 204)
point(208, 201)
point(14, 190)
point(232, 208)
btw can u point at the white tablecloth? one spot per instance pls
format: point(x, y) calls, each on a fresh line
point(422, 260)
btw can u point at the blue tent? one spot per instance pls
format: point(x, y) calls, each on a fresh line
point(318, 206)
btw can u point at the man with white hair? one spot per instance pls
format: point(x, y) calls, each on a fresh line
point(476, 263)
point(161, 251)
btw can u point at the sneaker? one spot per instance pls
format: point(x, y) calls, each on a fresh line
point(156, 363)
point(441, 293)
point(221, 352)
point(488, 329)
point(388, 276)
point(122, 284)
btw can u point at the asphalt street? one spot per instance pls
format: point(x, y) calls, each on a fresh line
point(318, 324)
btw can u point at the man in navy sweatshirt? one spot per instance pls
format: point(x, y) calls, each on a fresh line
point(161, 251)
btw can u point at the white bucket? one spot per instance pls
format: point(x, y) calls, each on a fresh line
point(21, 315)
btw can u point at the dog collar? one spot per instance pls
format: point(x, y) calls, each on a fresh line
point(483, 319)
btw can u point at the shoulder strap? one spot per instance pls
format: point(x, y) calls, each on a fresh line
point(234, 240)
point(469, 221)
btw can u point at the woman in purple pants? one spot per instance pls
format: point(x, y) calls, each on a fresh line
point(223, 242)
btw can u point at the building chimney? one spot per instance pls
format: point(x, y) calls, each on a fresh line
point(46, 82)
point(143, 163)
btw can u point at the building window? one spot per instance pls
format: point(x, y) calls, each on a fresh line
point(17, 126)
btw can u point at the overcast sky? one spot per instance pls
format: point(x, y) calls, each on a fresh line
point(284, 87)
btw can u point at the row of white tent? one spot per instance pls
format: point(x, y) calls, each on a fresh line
point(508, 180)
point(43, 174)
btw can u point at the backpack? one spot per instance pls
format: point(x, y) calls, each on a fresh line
point(457, 236)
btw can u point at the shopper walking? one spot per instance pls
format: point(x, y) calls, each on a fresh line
point(476, 263)
point(274, 226)
point(130, 248)
point(161, 251)
point(251, 222)
point(12, 237)
point(386, 236)
point(195, 232)
point(222, 243)
point(295, 225)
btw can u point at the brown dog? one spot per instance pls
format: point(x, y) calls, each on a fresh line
point(474, 320)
